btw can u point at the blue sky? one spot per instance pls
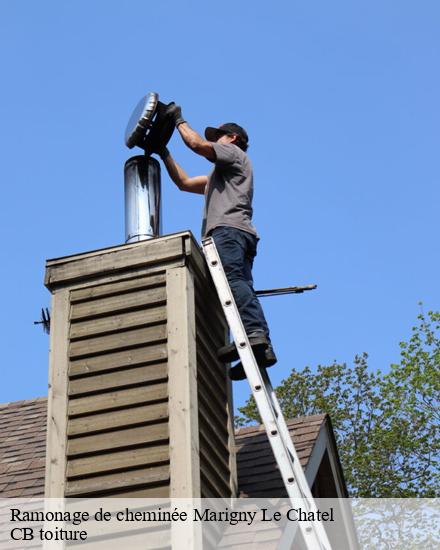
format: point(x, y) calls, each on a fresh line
point(341, 103)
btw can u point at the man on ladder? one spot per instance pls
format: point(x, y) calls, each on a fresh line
point(229, 246)
point(228, 191)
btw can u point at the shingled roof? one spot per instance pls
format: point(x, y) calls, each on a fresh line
point(258, 475)
point(23, 450)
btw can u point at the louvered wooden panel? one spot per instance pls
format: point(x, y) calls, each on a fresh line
point(117, 428)
point(214, 428)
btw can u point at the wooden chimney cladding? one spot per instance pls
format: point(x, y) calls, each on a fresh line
point(138, 404)
point(215, 407)
point(117, 431)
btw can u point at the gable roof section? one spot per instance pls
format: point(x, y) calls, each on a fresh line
point(258, 474)
point(23, 448)
point(315, 445)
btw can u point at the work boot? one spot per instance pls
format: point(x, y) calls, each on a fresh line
point(257, 340)
point(264, 361)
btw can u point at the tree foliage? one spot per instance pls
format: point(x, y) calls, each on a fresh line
point(386, 423)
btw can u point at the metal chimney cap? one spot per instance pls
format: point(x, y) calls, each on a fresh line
point(141, 119)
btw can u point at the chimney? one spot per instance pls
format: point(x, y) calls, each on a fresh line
point(139, 405)
point(142, 199)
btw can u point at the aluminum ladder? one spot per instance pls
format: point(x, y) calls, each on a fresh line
point(314, 534)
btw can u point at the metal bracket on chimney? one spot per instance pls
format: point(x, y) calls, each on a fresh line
point(45, 320)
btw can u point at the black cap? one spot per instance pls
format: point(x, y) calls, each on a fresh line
point(212, 134)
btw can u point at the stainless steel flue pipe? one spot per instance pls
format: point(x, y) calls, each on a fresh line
point(142, 199)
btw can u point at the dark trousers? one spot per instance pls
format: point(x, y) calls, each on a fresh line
point(237, 250)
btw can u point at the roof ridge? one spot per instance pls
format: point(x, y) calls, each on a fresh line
point(291, 421)
point(21, 403)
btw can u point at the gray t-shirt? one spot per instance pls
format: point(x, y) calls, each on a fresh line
point(229, 192)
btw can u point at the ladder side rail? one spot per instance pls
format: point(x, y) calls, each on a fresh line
point(305, 489)
point(277, 431)
point(298, 470)
point(255, 379)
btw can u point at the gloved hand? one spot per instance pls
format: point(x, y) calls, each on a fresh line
point(160, 150)
point(163, 152)
point(175, 111)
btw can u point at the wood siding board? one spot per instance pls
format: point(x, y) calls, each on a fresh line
point(210, 364)
point(211, 440)
point(218, 455)
point(117, 461)
point(208, 306)
point(117, 360)
point(121, 379)
point(121, 302)
point(215, 335)
point(118, 287)
point(208, 393)
point(221, 489)
point(120, 321)
point(216, 425)
point(96, 423)
point(213, 327)
point(208, 355)
point(118, 341)
point(220, 470)
point(214, 320)
point(209, 348)
point(144, 476)
point(209, 386)
point(117, 399)
point(118, 439)
point(210, 490)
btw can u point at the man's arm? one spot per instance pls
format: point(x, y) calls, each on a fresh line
point(190, 137)
point(195, 142)
point(181, 179)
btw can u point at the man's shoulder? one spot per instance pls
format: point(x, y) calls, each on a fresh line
point(235, 150)
point(242, 157)
point(226, 153)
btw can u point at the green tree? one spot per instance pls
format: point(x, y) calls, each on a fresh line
point(386, 424)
